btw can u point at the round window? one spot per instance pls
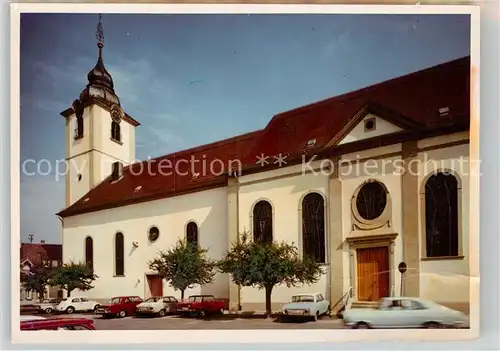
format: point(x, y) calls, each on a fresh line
point(154, 233)
point(371, 200)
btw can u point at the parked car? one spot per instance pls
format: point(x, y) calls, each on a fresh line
point(310, 306)
point(201, 305)
point(76, 304)
point(405, 312)
point(58, 324)
point(47, 305)
point(119, 306)
point(157, 305)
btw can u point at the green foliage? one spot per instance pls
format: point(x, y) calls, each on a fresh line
point(74, 276)
point(38, 279)
point(184, 266)
point(266, 265)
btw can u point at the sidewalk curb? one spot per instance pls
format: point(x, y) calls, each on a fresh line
point(260, 315)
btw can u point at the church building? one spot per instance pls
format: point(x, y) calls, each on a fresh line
point(361, 182)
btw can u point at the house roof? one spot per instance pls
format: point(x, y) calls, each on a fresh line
point(34, 253)
point(411, 102)
point(157, 178)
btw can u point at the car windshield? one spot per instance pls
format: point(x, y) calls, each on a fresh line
point(153, 299)
point(303, 298)
point(115, 300)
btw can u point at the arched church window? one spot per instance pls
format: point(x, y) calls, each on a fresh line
point(115, 131)
point(313, 227)
point(89, 252)
point(192, 233)
point(119, 255)
point(263, 222)
point(441, 215)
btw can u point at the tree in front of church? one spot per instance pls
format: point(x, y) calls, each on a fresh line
point(265, 265)
point(184, 266)
point(37, 279)
point(74, 276)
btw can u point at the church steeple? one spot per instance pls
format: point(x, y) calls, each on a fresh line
point(100, 85)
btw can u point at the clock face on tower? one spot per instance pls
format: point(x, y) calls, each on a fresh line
point(116, 113)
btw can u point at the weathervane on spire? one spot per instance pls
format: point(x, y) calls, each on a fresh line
point(99, 34)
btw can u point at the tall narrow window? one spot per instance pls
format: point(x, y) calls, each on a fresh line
point(192, 233)
point(441, 215)
point(115, 131)
point(119, 254)
point(263, 222)
point(313, 227)
point(89, 252)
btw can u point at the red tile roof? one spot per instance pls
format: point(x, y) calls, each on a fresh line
point(411, 101)
point(158, 178)
point(35, 253)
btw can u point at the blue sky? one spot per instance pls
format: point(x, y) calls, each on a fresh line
point(194, 79)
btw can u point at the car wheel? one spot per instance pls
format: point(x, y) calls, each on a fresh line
point(432, 325)
point(329, 311)
point(48, 310)
point(203, 313)
point(95, 308)
point(70, 310)
point(122, 314)
point(221, 311)
point(161, 313)
point(361, 325)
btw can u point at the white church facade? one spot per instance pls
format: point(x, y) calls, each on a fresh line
point(361, 182)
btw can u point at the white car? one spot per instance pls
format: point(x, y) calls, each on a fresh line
point(47, 305)
point(157, 305)
point(77, 304)
point(405, 312)
point(310, 306)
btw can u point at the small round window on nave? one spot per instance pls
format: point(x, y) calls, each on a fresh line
point(153, 234)
point(371, 200)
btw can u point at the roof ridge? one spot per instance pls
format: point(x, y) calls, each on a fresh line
point(354, 93)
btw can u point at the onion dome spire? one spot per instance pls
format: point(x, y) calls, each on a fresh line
point(100, 84)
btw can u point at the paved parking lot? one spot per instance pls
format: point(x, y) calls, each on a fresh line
point(176, 322)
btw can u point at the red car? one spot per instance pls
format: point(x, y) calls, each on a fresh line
point(58, 324)
point(201, 305)
point(119, 306)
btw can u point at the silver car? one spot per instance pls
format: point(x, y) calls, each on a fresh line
point(157, 305)
point(309, 306)
point(47, 305)
point(405, 312)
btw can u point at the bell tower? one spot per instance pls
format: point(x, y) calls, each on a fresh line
point(99, 133)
